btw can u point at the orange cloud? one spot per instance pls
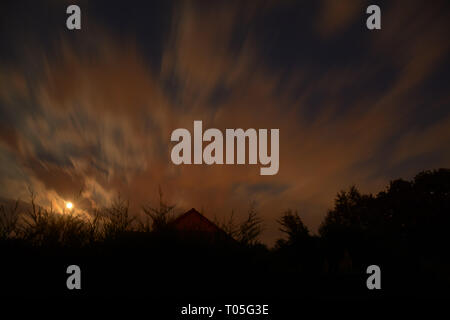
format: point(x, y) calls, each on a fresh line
point(99, 118)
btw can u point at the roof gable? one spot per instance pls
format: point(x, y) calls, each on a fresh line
point(193, 220)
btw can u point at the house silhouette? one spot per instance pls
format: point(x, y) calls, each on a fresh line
point(193, 222)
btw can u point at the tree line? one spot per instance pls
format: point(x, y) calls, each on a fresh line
point(407, 215)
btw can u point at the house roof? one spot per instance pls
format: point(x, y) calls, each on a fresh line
point(193, 220)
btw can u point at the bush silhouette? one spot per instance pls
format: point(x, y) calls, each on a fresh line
point(403, 228)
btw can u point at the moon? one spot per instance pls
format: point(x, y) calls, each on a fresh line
point(69, 205)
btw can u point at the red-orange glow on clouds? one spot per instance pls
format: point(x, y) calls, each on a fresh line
point(99, 118)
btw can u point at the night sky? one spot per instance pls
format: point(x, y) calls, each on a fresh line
point(93, 109)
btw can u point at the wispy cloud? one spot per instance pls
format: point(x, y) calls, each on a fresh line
point(96, 115)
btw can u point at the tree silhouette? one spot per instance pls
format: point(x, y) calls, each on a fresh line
point(293, 227)
point(159, 216)
point(229, 225)
point(250, 228)
point(9, 218)
point(403, 228)
point(116, 218)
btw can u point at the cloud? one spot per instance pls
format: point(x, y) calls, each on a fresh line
point(335, 16)
point(96, 115)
